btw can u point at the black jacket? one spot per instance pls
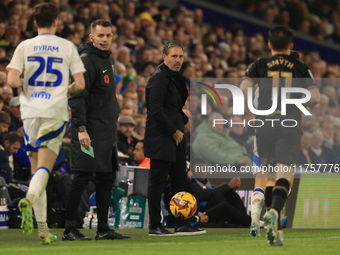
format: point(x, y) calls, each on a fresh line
point(202, 194)
point(5, 168)
point(126, 145)
point(165, 97)
point(97, 108)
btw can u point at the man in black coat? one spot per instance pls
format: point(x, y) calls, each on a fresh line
point(94, 116)
point(166, 93)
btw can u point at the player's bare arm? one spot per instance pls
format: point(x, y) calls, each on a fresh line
point(78, 85)
point(14, 79)
point(315, 97)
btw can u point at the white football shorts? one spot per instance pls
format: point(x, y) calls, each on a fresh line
point(41, 132)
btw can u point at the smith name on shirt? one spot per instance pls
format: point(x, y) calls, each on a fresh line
point(46, 48)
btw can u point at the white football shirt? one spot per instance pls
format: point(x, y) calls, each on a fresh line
point(46, 61)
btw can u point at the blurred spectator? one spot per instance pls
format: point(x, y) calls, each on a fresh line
point(130, 83)
point(1, 100)
point(120, 99)
point(139, 157)
point(120, 69)
point(5, 121)
point(327, 129)
point(12, 35)
point(20, 158)
point(129, 9)
point(304, 27)
point(128, 103)
point(10, 145)
point(188, 71)
point(7, 95)
point(148, 69)
point(139, 119)
point(144, 55)
point(14, 112)
point(141, 132)
point(2, 52)
point(325, 155)
point(125, 111)
point(336, 34)
point(3, 63)
point(3, 78)
point(215, 146)
point(306, 142)
point(324, 103)
point(141, 97)
point(284, 18)
point(132, 96)
point(123, 55)
point(236, 128)
point(310, 123)
point(126, 142)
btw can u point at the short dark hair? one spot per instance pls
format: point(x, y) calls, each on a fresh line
point(139, 130)
point(280, 38)
point(185, 65)
point(142, 142)
point(45, 15)
point(12, 137)
point(5, 118)
point(100, 22)
point(170, 45)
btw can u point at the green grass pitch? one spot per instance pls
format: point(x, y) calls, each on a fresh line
point(216, 241)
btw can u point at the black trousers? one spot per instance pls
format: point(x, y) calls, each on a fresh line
point(159, 171)
point(227, 207)
point(104, 185)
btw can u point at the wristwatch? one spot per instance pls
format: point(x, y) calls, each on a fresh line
point(81, 128)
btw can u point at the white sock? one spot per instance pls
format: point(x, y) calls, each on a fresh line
point(40, 208)
point(43, 231)
point(257, 200)
point(38, 185)
point(40, 212)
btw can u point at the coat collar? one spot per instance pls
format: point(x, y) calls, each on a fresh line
point(165, 69)
point(180, 82)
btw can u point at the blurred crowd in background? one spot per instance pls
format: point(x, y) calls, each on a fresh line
point(141, 28)
point(320, 19)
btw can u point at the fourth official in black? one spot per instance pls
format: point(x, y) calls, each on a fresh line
point(94, 123)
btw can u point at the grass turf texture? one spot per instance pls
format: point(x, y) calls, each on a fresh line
point(216, 241)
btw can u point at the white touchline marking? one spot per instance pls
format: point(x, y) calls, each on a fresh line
point(109, 246)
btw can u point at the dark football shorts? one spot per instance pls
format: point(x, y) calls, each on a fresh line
point(279, 146)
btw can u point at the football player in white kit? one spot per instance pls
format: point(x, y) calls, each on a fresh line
point(46, 61)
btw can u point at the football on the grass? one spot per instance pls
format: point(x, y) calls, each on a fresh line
point(183, 205)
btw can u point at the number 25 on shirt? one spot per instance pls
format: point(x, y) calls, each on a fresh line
point(49, 69)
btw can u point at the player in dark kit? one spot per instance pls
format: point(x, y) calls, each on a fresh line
point(277, 144)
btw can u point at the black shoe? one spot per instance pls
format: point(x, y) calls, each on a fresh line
point(75, 235)
point(188, 230)
point(160, 231)
point(110, 235)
